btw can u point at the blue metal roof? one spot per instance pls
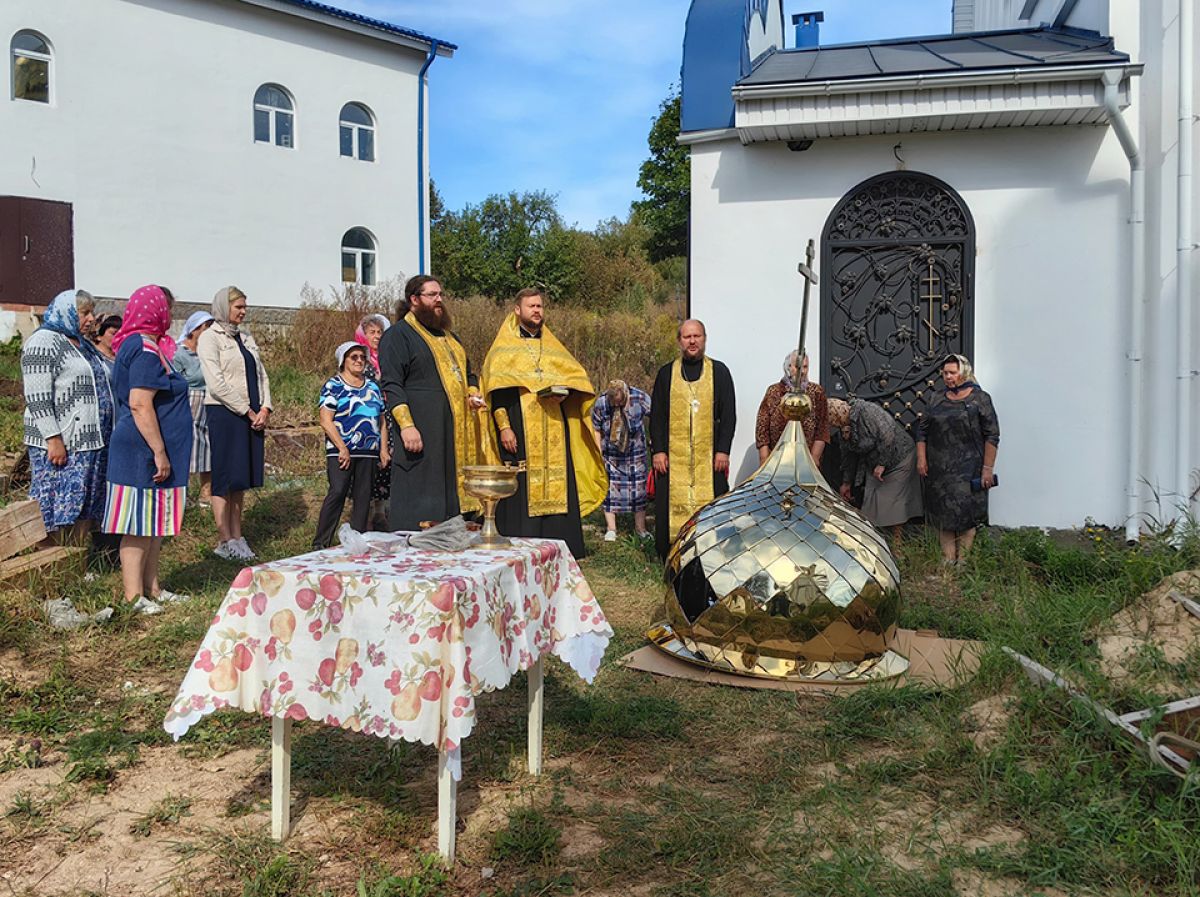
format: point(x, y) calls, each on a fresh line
point(377, 24)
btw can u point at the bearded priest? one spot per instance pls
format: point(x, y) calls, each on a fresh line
point(541, 401)
point(434, 399)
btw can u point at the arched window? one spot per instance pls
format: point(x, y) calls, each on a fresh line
point(356, 127)
point(274, 116)
point(358, 257)
point(31, 58)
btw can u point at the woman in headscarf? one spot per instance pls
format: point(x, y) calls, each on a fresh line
point(369, 333)
point(770, 422)
point(151, 447)
point(187, 363)
point(238, 405)
point(68, 417)
point(878, 457)
point(352, 413)
point(619, 417)
point(957, 439)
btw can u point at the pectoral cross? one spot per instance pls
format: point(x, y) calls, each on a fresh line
point(810, 277)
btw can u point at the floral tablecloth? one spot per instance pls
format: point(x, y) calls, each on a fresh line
point(394, 645)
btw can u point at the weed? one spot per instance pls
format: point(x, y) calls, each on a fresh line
point(538, 887)
point(25, 809)
point(429, 880)
point(168, 811)
point(529, 839)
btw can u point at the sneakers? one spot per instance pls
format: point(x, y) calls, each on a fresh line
point(235, 550)
point(146, 606)
point(610, 536)
point(166, 596)
point(645, 534)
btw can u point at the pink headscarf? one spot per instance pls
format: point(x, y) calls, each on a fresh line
point(360, 336)
point(147, 313)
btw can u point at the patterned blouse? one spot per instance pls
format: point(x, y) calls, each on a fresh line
point(770, 423)
point(356, 412)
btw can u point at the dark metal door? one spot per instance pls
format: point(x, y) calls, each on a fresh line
point(12, 272)
point(47, 249)
point(897, 265)
point(37, 249)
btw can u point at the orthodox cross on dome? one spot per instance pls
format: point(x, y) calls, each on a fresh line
point(810, 277)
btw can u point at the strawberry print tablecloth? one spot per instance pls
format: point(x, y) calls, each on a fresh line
point(394, 645)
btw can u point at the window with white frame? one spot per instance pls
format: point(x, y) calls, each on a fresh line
point(31, 59)
point(358, 257)
point(274, 116)
point(356, 132)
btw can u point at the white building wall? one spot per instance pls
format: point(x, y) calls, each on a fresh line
point(1050, 209)
point(998, 15)
point(150, 137)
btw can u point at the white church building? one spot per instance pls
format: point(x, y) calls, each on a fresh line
point(1019, 191)
point(197, 143)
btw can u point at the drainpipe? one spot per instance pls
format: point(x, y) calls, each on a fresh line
point(1183, 266)
point(1137, 240)
point(422, 179)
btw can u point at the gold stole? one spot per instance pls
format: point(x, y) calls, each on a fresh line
point(690, 453)
point(451, 360)
point(545, 455)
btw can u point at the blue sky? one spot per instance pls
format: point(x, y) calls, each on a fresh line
point(559, 95)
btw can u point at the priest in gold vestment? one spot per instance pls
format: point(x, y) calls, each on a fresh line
point(541, 401)
point(434, 399)
point(692, 416)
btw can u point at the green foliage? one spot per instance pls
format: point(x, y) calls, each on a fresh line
point(12, 399)
point(529, 839)
point(598, 716)
point(665, 179)
point(166, 812)
point(428, 881)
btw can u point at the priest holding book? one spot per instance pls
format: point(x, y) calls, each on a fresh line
point(541, 401)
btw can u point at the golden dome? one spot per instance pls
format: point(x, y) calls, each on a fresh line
point(780, 578)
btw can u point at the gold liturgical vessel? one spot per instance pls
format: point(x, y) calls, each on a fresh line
point(780, 578)
point(491, 484)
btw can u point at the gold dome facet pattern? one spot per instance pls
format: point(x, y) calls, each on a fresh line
point(782, 579)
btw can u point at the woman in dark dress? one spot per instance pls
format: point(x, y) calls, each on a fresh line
point(957, 439)
point(238, 403)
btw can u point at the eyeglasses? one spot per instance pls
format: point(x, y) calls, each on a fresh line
point(438, 295)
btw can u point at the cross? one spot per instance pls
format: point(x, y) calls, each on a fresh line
point(810, 277)
point(931, 283)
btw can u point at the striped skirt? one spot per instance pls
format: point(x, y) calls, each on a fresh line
point(201, 455)
point(137, 511)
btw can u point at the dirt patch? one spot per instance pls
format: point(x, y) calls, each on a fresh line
point(89, 844)
point(1154, 633)
point(987, 720)
point(20, 670)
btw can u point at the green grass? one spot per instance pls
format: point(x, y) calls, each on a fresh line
point(166, 812)
point(529, 839)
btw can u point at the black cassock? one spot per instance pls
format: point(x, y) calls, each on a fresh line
point(724, 420)
point(424, 483)
point(512, 514)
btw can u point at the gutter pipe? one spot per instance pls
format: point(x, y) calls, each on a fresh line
point(422, 178)
point(1183, 265)
point(1137, 326)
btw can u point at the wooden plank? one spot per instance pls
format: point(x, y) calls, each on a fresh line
point(447, 808)
point(27, 563)
point(537, 692)
point(21, 525)
point(281, 777)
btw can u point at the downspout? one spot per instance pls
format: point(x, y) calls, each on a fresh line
point(1137, 240)
point(1183, 266)
point(422, 179)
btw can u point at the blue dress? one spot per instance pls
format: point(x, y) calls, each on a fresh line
point(130, 459)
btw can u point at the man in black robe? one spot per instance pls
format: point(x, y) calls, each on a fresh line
point(433, 397)
point(686, 392)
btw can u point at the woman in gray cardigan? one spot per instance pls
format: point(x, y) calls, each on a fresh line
point(68, 417)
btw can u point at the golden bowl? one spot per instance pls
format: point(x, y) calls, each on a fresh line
point(490, 481)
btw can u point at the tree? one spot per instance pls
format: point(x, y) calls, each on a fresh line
point(665, 179)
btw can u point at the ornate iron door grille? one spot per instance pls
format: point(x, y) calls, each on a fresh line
point(897, 266)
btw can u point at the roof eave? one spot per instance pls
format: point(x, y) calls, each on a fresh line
point(1008, 75)
point(412, 42)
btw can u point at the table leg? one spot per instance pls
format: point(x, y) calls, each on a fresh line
point(281, 777)
point(447, 808)
point(537, 694)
